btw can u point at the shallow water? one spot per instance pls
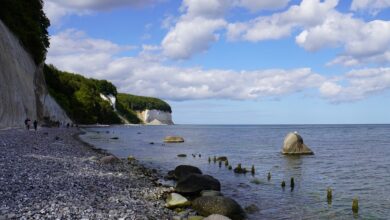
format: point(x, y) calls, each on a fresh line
point(354, 160)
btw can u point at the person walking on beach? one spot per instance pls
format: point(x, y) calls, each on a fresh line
point(35, 125)
point(27, 123)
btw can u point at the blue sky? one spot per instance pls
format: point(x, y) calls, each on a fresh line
point(234, 61)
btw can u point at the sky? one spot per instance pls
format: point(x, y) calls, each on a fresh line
point(234, 61)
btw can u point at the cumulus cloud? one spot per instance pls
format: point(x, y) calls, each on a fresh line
point(278, 25)
point(56, 9)
point(357, 85)
point(146, 74)
point(372, 6)
point(363, 42)
point(196, 29)
point(140, 75)
point(321, 26)
point(256, 5)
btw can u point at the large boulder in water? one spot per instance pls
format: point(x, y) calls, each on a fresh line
point(182, 171)
point(208, 205)
point(194, 183)
point(293, 145)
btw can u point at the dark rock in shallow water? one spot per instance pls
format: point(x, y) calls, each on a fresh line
point(207, 205)
point(222, 158)
point(115, 138)
point(194, 183)
point(182, 171)
point(239, 169)
point(252, 209)
point(109, 160)
point(182, 155)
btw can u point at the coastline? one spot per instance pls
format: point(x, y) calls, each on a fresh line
point(52, 173)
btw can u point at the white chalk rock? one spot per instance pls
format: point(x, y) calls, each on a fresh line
point(293, 144)
point(176, 200)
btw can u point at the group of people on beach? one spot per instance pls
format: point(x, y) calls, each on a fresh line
point(28, 125)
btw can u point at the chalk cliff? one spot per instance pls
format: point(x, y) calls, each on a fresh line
point(155, 117)
point(23, 91)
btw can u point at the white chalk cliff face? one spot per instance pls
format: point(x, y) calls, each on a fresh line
point(155, 117)
point(23, 91)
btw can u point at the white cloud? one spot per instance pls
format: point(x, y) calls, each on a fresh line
point(373, 6)
point(256, 5)
point(191, 36)
point(363, 42)
point(74, 51)
point(196, 29)
point(56, 9)
point(140, 75)
point(308, 13)
point(321, 26)
point(358, 84)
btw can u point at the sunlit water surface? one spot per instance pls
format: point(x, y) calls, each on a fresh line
point(354, 160)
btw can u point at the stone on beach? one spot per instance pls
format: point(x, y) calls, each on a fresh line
point(207, 205)
point(182, 171)
point(62, 180)
point(293, 145)
point(175, 200)
point(194, 183)
point(216, 217)
point(210, 193)
point(111, 159)
point(173, 139)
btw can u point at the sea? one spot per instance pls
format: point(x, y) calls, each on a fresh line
point(352, 160)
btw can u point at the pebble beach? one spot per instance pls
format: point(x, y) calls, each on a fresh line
point(51, 174)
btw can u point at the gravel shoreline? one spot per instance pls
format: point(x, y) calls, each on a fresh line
point(50, 174)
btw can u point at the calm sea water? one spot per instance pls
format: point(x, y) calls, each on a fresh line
point(354, 160)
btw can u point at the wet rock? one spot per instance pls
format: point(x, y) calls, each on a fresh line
point(182, 171)
point(293, 145)
point(173, 139)
point(222, 158)
point(210, 193)
point(175, 200)
point(216, 217)
point(194, 183)
point(115, 138)
point(252, 208)
point(207, 205)
point(111, 159)
point(239, 169)
point(196, 217)
point(182, 155)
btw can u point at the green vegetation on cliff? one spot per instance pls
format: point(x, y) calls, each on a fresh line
point(80, 97)
point(127, 104)
point(140, 103)
point(26, 19)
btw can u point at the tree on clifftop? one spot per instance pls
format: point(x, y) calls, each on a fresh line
point(26, 19)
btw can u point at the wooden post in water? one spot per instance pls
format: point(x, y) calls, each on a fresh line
point(253, 170)
point(269, 176)
point(283, 184)
point(209, 160)
point(292, 183)
point(355, 205)
point(226, 163)
point(329, 195)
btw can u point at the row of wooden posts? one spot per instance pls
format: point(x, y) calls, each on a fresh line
point(239, 169)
